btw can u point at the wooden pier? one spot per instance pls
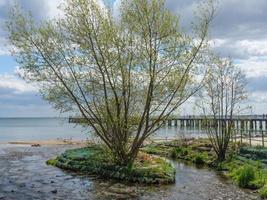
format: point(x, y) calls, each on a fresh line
point(247, 127)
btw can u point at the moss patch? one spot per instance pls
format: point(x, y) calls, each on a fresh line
point(93, 160)
point(52, 162)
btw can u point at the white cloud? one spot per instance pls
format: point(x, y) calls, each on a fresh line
point(254, 67)
point(253, 47)
point(240, 49)
point(9, 81)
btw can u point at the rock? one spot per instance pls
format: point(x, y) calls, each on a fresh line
point(35, 145)
point(104, 184)
point(122, 189)
point(2, 196)
point(203, 149)
point(54, 191)
point(110, 195)
point(22, 185)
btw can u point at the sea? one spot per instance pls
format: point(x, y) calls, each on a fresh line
point(30, 129)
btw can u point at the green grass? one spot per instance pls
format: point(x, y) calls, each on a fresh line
point(244, 176)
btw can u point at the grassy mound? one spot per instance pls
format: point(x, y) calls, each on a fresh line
point(93, 160)
point(196, 151)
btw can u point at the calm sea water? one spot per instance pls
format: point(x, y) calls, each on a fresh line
point(21, 129)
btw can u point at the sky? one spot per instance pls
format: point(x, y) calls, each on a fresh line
point(239, 31)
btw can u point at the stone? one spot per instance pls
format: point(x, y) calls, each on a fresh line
point(35, 145)
point(111, 195)
point(22, 185)
point(122, 189)
point(54, 191)
point(104, 184)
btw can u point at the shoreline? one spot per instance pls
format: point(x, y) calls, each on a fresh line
point(58, 141)
point(47, 142)
point(67, 141)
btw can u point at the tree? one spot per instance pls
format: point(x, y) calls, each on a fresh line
point(124, 75)
point(223, 91)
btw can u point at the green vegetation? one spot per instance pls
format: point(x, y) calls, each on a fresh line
point(94, 160)
point(263, 192)
point(245, 175)
point(248, 176)
point(199, 152)
point(52, 162)
point(256, 153)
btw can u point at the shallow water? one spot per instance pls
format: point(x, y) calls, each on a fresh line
point(18, 129)
point(24, 175)
point(21, 129)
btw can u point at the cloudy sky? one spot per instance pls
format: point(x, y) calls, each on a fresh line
point(239, 31)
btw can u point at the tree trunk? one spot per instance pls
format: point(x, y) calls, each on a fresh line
point(221, 155)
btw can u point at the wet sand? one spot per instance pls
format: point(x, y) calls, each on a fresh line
point(25, 175)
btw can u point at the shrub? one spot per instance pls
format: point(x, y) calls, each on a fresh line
point(179, 152)
point(174, 153)
point(245, 175)
point(199, 159)
point(248, 176)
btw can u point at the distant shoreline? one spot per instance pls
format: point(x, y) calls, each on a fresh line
point(52, 142)
point(48, 142)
